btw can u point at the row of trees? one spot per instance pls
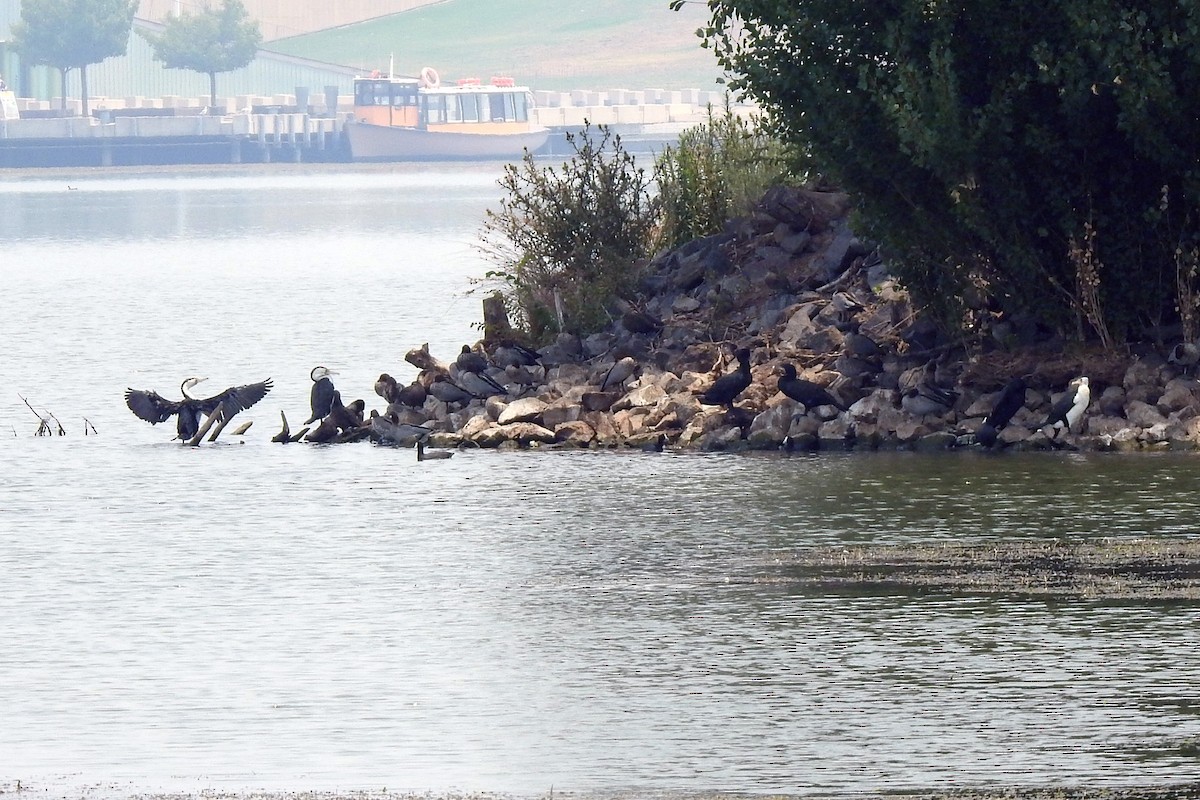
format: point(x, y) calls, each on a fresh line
point(73, 34)
point(1044, 157)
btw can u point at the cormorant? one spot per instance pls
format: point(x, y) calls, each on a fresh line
point(480, 384)
point(470, 361)
point(514, 355)
point(808, 393)
point(321, 397)
point(190, 411)
point(1068, 410)
point(412, 395)
point(727, 387)
point(927, 398)
point(1010, 401)
point(387, 388)
point(448, 391)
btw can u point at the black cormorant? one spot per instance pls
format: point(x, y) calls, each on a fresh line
point(810, 394)
point(190, 411)
point(727, 387)
point(321, 397)
point(1010, 401)
point(470, 361)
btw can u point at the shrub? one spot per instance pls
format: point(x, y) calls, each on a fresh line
point(717, 171)
point(569, 239)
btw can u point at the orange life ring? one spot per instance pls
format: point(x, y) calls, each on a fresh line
point(374, 73)
point(430, 78)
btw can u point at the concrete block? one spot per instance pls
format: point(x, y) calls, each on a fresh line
point(655, 113)
point(602, 115)
point(628, 115)
point(579, 97)
point(171, 101)
point(685, 112)
point(576, 115)
point(126, 126)
point(548, 117)
point(239, 124)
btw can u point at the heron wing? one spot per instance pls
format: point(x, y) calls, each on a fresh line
point(237, 398)
point(150, 405)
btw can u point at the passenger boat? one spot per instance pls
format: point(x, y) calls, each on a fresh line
point(401, 118)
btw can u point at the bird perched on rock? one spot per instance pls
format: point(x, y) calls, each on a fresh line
point(387, 388)
point(927, 398)
point(1068, 410)
point(321, 396)
point(1010, 401)
point(636, 321)
point(1186, 355)
point(412, 395)
point(480, 384)
point(515, 355)
point(618, 373)
point(470, 361)
point(448, 391)
point(808, 393)
point(727, 387)
point(859, 345)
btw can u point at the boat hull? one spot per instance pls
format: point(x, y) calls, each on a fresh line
point(388, 143)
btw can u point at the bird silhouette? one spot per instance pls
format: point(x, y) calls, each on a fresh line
point(727, 387)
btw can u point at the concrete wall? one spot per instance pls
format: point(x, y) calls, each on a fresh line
point(281, 18)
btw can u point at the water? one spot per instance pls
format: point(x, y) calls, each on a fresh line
point(246, 616)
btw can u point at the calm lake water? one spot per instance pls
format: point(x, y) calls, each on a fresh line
point(253, 616)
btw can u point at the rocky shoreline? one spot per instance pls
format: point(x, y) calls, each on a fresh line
point(791, 285)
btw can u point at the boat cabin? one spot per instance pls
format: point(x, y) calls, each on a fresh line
point(466, 107)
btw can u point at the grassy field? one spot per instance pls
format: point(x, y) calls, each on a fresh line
point(547, 44)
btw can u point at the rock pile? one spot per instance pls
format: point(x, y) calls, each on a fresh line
point(791, 285)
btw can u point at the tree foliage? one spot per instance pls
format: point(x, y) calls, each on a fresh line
point(211, 41)
point(1042, 155)
point(569, 239)
point(71, 34)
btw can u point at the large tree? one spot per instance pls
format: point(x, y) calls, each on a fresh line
point(211, 41)
point(71, 34)
point(1028, 156)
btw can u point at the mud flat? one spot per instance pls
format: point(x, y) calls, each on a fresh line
point(1142, 569)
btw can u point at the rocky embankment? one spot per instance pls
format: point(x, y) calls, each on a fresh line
point(790, 285)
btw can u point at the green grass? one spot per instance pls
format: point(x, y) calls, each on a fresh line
point(547, 44)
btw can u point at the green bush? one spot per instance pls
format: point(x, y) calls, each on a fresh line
point(717, 171)
point(570, 239)
point(986, 142)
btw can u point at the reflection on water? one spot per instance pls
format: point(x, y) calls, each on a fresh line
point(254, 615)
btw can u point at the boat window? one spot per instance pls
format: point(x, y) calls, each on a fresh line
point(453, 109)
point(404, 94)
point(470, 108)
point(521, 102)
point(497, 104)
point(434, 108)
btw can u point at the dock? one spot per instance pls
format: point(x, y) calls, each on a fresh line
point(247, 129)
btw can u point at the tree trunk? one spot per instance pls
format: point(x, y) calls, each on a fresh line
point(212, 90)
point(83, 90)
